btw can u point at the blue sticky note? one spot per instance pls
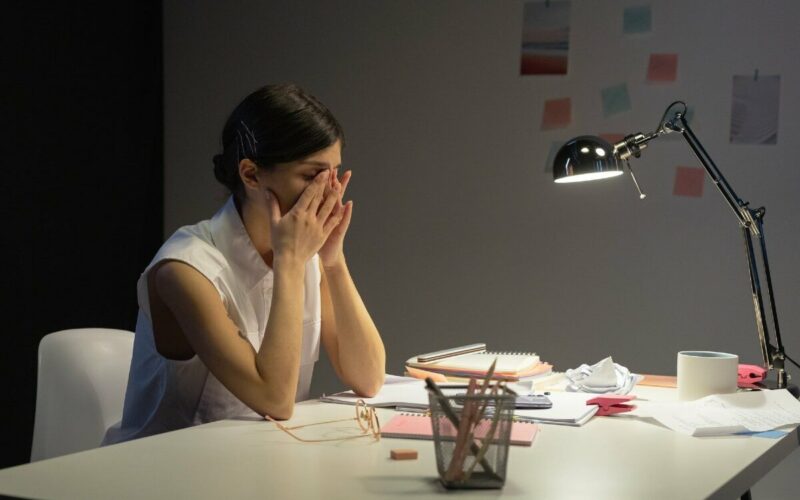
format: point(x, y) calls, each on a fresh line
point(637, 19)
point(616, 100)
point(766, 434)
point(554, 147)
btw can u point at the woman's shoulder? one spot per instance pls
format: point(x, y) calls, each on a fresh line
point(194, 245)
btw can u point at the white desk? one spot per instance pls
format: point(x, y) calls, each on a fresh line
point(609, 457)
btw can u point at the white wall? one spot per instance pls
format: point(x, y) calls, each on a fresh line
point(459, 234)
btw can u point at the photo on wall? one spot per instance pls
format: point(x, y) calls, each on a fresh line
point(545, 38)
point(754, 113)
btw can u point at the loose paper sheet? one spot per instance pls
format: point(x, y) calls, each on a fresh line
point(725, 414)
point(754, 117)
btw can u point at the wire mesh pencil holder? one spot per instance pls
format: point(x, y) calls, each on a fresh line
point(471, 436)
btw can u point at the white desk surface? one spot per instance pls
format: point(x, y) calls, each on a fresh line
point(609, 457)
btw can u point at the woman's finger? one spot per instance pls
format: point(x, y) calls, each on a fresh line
point(347, 215)
point(345, 181)
point(273, 207)
point(312, 196)
point(334, 220)
point(331, 200)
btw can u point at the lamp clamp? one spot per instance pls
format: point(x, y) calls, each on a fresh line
point(633, 145)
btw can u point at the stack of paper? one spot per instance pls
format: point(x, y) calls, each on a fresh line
point(723, 414)
point(569, 408)
point(509, 366)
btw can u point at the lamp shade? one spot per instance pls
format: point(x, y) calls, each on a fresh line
point(585, 158)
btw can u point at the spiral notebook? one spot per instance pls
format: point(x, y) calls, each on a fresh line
point(475, 360)
point(416, 426)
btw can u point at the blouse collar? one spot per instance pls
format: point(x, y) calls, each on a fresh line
point(230, 237)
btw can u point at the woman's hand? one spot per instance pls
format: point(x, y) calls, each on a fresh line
point(332, 251)
point(299, 234)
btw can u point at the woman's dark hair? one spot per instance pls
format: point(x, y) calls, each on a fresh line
point(274, 124)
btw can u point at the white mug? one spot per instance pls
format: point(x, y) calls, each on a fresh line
point(702, 373)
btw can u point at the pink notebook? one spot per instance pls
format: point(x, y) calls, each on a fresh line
point(411, 426)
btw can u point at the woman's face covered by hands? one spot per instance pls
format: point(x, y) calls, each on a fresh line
point(287, 181)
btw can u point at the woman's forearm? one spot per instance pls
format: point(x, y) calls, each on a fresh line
point(278, 359)
point(361, 354)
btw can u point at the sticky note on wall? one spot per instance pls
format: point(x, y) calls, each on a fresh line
point(615, 100)
point(636, 20)
point(689, 181)
point(662, 68)
point(557, 113)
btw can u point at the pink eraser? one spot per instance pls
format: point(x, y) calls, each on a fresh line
point(403, 454)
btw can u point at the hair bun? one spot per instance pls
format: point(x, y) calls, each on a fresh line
point(219, 169)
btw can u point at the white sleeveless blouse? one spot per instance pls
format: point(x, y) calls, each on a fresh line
point(163, 394)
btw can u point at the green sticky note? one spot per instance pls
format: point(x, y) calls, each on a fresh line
point(637, 20)
point(616, 100)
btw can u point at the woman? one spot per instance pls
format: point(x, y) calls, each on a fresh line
point(232, 310)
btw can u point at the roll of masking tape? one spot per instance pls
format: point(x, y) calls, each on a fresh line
point(702, 373)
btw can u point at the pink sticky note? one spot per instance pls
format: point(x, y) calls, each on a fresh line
point(689, 181)
point(662, 68)
point(557, 113)
point(612, 138)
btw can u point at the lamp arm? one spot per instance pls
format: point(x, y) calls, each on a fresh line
point(752, 223)
point(679, 124)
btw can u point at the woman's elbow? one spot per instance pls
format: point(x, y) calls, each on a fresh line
point(276, 411)
point(370, 389)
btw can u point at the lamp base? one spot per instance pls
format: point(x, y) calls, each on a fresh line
point(773, 384)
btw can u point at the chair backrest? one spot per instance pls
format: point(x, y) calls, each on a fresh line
point(80, 389)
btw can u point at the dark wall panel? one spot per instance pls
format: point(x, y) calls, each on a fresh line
point(82, 205)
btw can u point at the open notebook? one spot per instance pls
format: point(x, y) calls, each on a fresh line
point(414, 426)
point(475, 360)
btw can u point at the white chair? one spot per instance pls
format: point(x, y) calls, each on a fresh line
point(80, 389)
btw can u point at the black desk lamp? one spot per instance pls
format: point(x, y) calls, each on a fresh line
point(589, 158)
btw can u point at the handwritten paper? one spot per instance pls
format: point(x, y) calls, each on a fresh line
point(637, 20)
point(724, 414)
point(662, 68)
point(545, 38)
point(557, 113)
point(615, 100)
point(689, 181)
point(754, 117)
